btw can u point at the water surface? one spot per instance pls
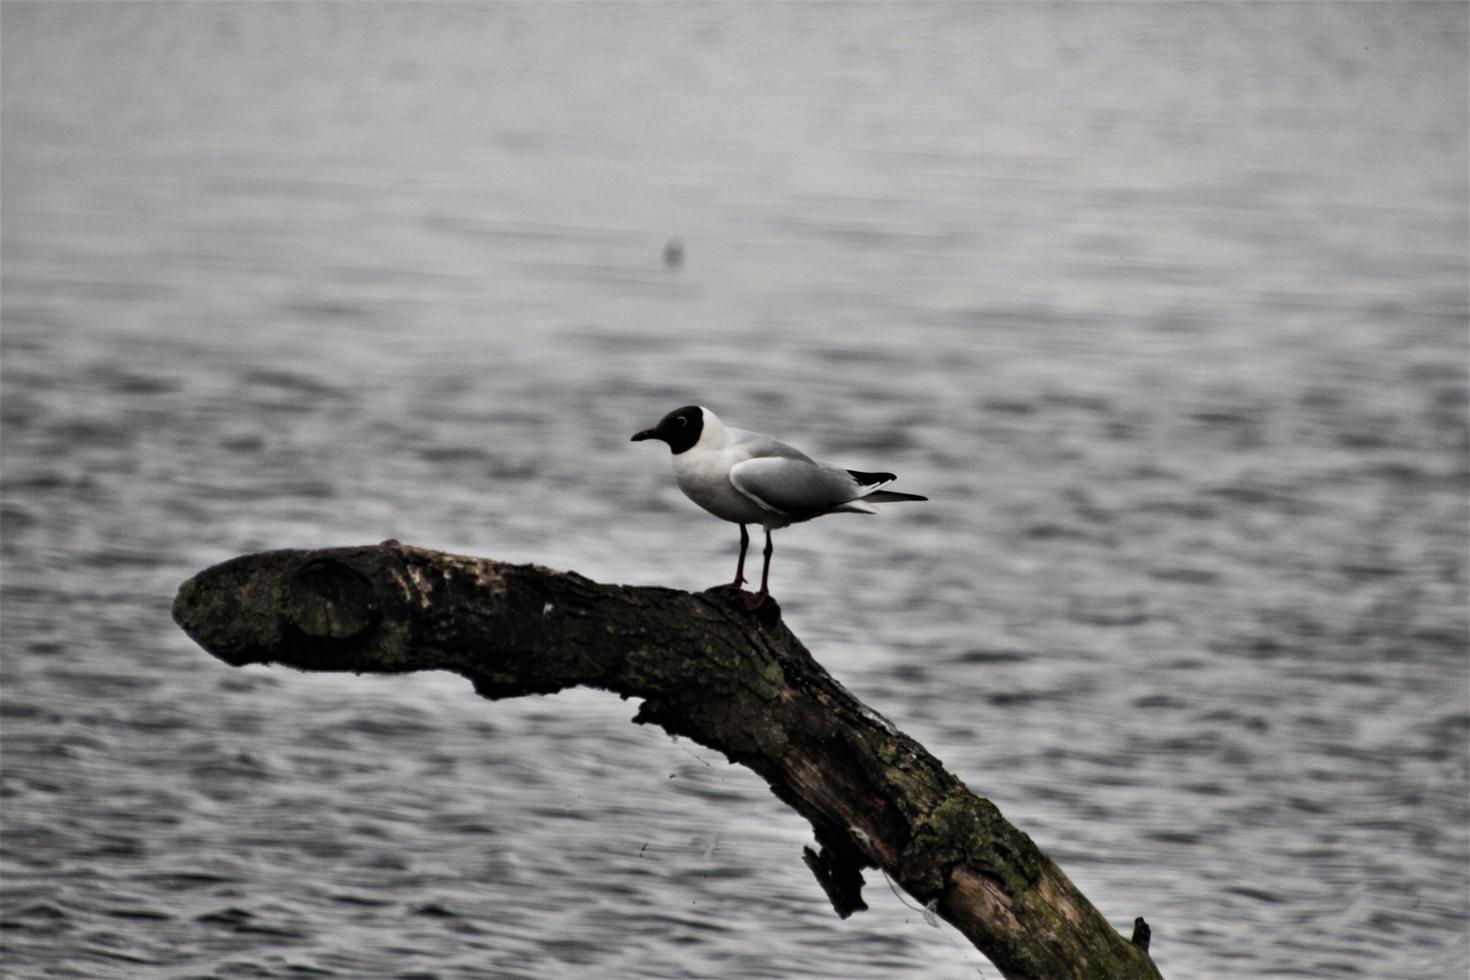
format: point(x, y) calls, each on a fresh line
point(1164, 306)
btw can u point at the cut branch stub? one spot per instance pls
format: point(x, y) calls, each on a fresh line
point(704, 667)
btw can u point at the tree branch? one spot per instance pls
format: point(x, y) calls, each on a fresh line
point(704, 668)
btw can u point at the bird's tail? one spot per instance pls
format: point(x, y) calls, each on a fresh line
point(889, 497)
point(868, 484)
point(864, 504)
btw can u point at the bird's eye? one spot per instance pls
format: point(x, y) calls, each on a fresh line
point(682, 420)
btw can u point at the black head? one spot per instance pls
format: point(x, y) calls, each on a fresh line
point(680, 428)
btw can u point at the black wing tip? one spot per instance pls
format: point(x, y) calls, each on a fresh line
point(871, 479)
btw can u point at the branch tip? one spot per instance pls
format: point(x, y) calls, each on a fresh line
point(1141, 934)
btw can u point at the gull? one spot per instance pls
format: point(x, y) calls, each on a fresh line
point(749, 478)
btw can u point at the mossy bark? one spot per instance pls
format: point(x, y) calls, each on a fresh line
point(705, 668)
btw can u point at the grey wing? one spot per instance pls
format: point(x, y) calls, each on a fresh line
point(794, 487)
point(757, 446)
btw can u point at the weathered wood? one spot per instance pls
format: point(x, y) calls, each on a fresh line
point(705, 668)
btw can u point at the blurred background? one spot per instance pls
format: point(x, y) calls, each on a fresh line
point(1163, 305)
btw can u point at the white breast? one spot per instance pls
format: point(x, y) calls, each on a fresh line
point(704, 476)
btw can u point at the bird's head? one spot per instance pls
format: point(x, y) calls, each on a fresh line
point(680, 428)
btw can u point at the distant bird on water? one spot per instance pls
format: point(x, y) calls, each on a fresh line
point(749, 478)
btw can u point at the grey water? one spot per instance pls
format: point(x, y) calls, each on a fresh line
point(1162, 305)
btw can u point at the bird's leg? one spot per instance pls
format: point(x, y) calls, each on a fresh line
point(753, 601)
point(740, 565)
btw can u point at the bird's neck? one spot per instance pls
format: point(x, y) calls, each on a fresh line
point(714, 435)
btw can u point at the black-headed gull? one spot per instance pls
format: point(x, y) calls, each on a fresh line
point(749, 478)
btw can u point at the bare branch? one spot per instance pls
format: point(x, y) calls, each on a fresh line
point(704, 668)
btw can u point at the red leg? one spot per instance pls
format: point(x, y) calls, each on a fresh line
point(752, 601)
point(740, 565)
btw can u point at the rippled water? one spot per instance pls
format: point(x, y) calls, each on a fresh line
point(1163, 305)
